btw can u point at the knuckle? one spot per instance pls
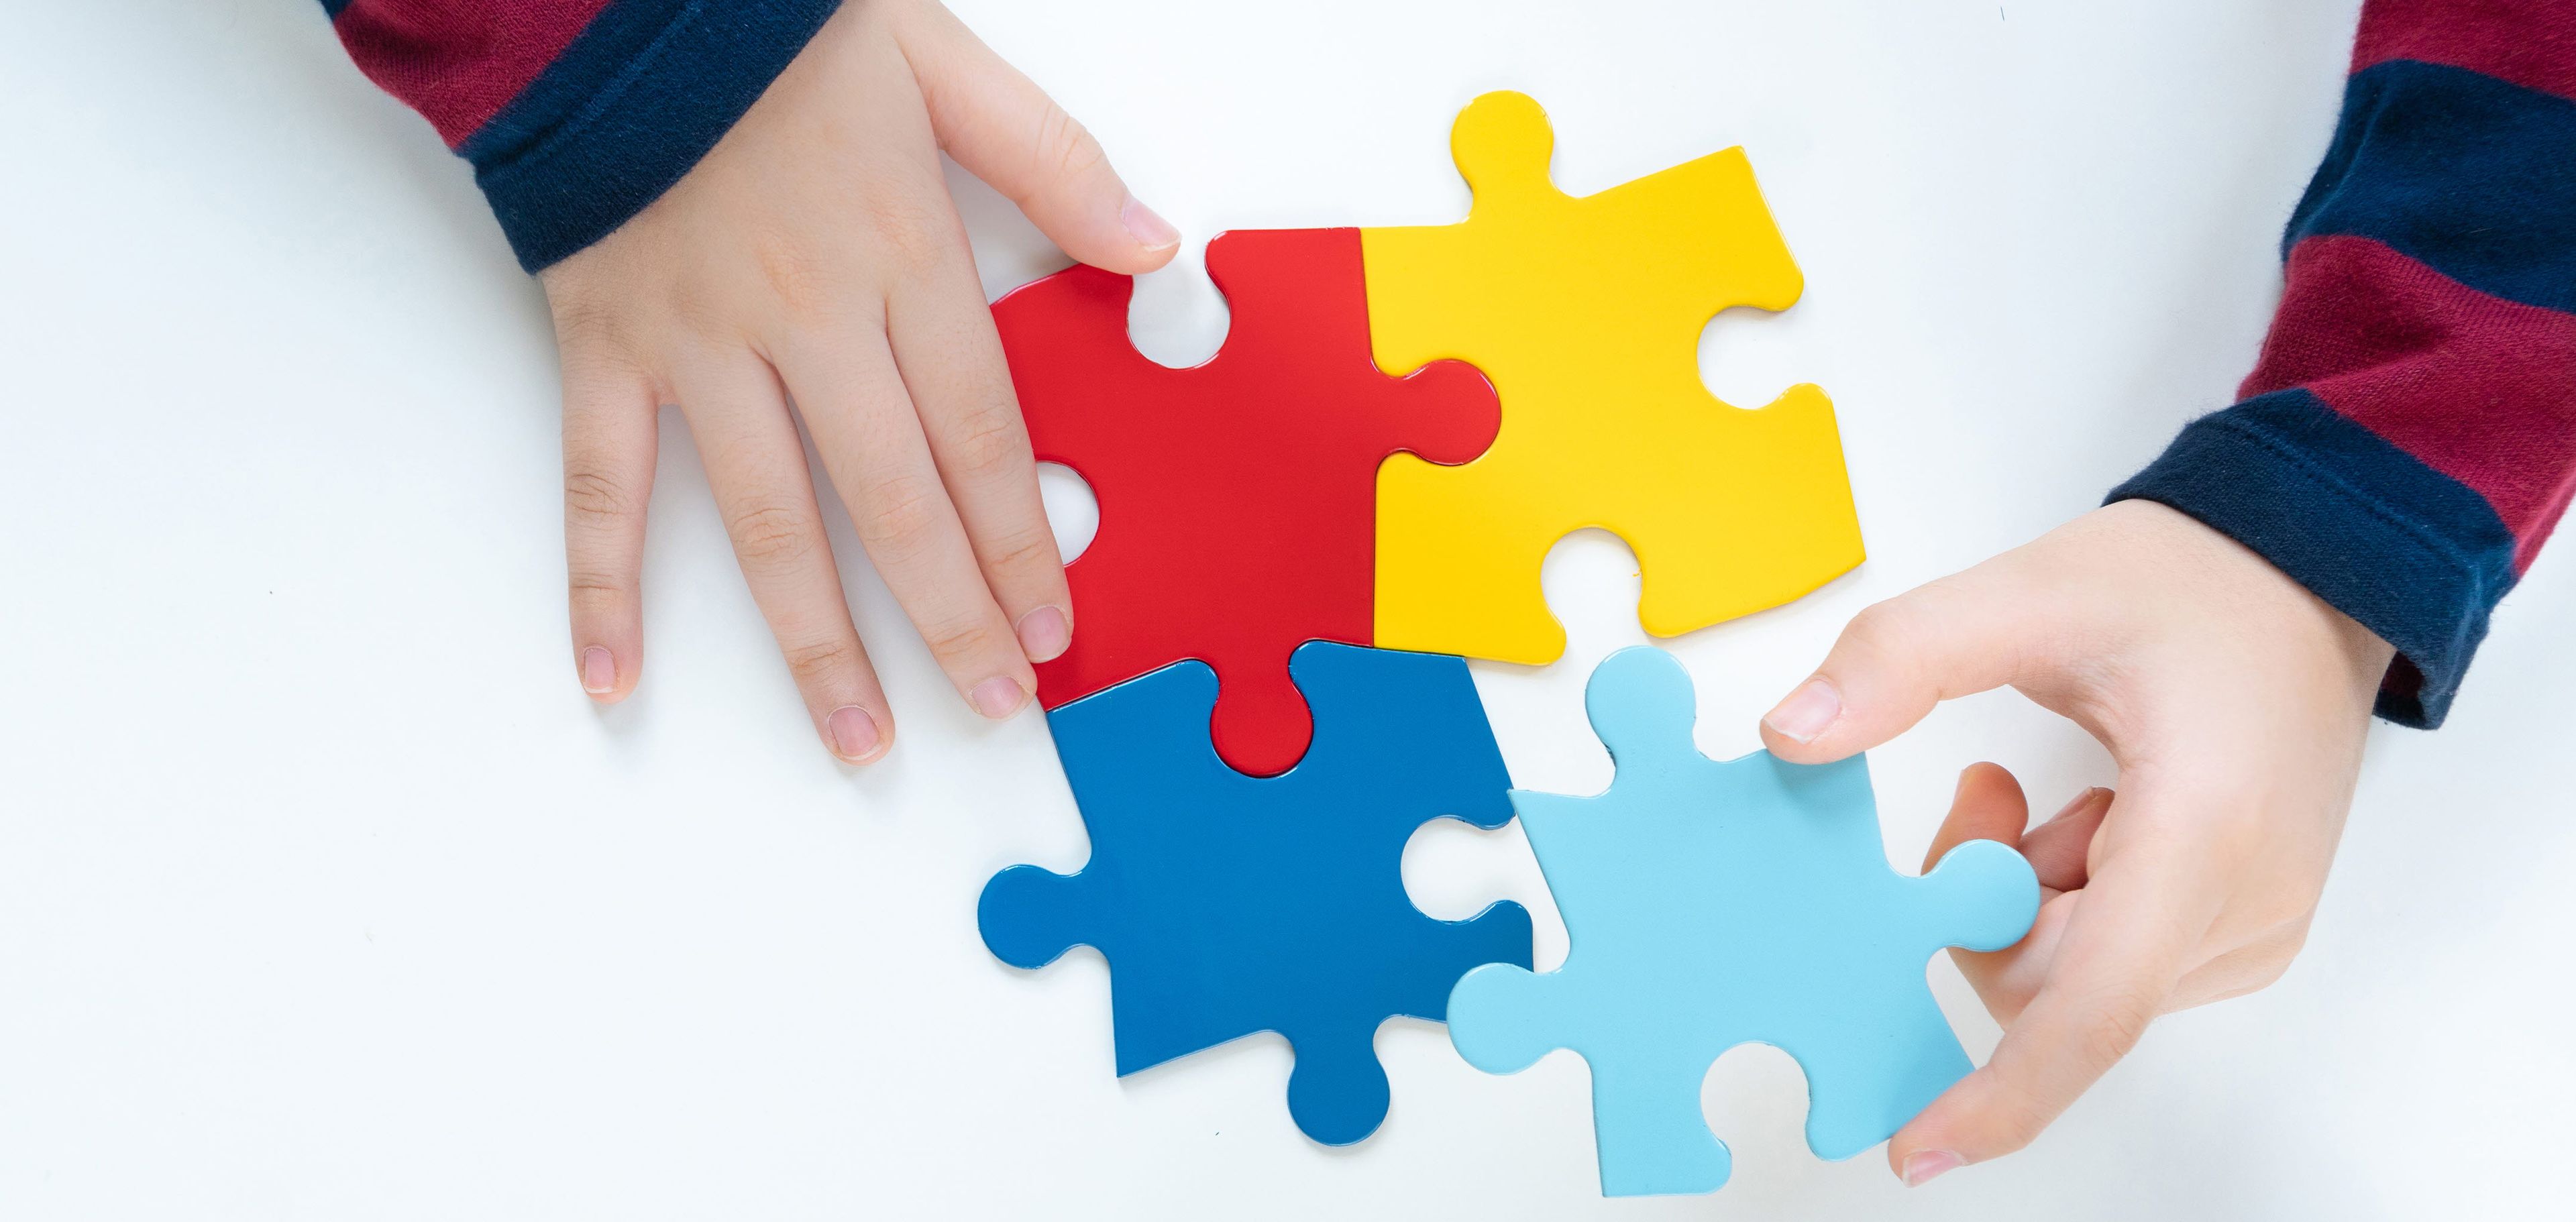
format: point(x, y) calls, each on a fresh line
point(900, 513)
point(709, 313)
point(1024, 550)
point(2269, 953)
point(1882, 633)
point(799, 279)
point(771, 535)
point(2293, 939)
point(955, 642)
point(593, 497)
point(1878, 622)
point(586, 321)
point(2114, 1025)
point(2020, 1113)
point(2285, 913)
point(2269, 971)
point(1065, 147)
point(595, 586)
point(989, 441)
point(818, 660)
point(909, 236)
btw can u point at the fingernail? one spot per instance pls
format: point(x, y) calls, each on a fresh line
point(997, 697)
point(1150, 230)
point(1808, 712)
point(1922, 1165)
point(853, 733)
point(598, 671)
point(1044, 633)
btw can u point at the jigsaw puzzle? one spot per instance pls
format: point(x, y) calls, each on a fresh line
point(1237, 498)
point(1228, 905)
point(1586, 314)
point(1713, 904)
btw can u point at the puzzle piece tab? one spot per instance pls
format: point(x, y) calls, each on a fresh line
point(1237, 498)
point(1228, 904)
point(1587, 313)
point(1713, 904)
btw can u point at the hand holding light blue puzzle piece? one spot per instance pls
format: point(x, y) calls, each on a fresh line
point(1715, 903)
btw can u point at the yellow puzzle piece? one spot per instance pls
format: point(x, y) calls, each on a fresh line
point(1586, 314)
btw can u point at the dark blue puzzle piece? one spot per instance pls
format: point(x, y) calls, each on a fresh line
point(1228, 904)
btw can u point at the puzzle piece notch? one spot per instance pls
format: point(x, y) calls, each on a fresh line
point(1237, 497)
point(1713, 904)
point(1228, 905)
point(1586, 314)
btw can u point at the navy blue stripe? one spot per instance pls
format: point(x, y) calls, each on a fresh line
point(2470, 175)
point(636, 99)
point(2409, 552)
point(331, 8)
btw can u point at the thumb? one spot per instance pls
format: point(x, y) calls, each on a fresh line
point(1895, 660)
point(1005, 130)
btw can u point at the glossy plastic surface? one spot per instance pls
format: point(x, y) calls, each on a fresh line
point(1229, 904)
point(1713, 904)
point(1586, 314)
point(1237, 497)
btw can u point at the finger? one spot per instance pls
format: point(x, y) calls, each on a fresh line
point(2006, 980)
point(2243, 970)
point(871, 441)
point(2058, 849)
point(1897, 659)
point(1008, 132)
point(756, 467)
point(1988, 805)
point(951, 363)
point(2125, 946)
point(611, 427)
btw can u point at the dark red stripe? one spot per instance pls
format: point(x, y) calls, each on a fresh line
point(2477, 387)
point(2531, 43)
point(458, 62)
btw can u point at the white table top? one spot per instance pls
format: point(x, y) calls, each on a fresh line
point(324, 892)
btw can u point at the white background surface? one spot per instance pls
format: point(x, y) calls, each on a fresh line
point(325, 894)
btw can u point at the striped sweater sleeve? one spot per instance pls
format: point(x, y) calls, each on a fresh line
point(2407, 439)
point(575, 114)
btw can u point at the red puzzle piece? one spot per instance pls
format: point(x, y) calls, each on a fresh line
point(1238, 498)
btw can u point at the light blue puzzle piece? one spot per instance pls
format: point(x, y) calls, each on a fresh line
point(1714, 904)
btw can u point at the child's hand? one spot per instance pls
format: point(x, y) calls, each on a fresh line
point(2234, 703)
point(815, 254)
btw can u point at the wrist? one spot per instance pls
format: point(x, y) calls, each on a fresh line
point(2247, 587)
